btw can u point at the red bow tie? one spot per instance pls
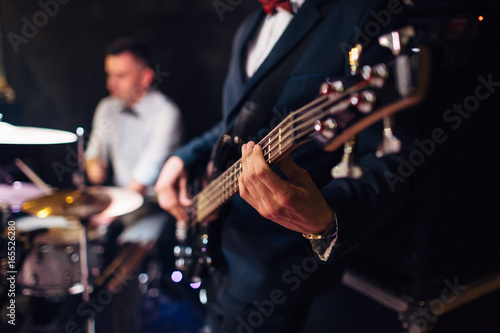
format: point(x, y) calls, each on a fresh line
point(270, 5)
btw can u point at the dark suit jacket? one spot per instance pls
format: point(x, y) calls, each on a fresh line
point(260, 255)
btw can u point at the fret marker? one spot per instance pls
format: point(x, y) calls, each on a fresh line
point(280, 140)
point(269, 150)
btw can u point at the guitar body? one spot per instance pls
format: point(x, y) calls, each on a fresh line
point(200, 251)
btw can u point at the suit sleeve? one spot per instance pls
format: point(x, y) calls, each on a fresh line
point(197, 151)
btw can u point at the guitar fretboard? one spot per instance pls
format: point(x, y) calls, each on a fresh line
point(291, 132)
point(297, 128)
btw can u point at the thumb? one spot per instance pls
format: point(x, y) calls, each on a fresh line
point(296, 175)
point(184, 199)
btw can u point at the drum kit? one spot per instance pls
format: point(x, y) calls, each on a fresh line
point(51, 228)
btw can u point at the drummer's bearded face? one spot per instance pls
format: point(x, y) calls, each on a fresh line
point(127, 78)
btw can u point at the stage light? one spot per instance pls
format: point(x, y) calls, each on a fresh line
point(203, 296)
point(143, 278)
point(195, 285)
point(176, 276)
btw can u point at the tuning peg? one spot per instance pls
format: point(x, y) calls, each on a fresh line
point(354, 55)
point(327, 128)
point(347, 167)
point(397, 40)
point(329, 87)
point(390, 143)
point(363, 101)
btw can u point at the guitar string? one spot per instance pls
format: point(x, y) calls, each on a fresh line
point(222, 187)
point(211, 185)
point(232, 171)
point(269, 156)
point(214, 188)
point(221, 197)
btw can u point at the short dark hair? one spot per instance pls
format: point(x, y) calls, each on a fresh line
point(138, 49)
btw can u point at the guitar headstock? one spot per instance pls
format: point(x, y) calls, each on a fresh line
point(370, 94)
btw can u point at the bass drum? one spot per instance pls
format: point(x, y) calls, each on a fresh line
point(52, 265)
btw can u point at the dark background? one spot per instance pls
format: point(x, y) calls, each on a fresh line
point(58, 74)
point(58, 79)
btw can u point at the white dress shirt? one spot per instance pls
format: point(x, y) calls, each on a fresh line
point(136, 145)
point(270, 31)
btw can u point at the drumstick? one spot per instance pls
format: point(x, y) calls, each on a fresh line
point(33, 177)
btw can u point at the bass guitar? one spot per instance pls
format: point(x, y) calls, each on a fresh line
point(345, 107)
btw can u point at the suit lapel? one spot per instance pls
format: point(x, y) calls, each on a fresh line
point(252, 25)
point(302, 23)
point(305, 20)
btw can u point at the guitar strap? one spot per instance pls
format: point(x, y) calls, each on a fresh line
point(256, 110)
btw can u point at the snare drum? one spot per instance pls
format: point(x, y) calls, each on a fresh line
point(52, 266)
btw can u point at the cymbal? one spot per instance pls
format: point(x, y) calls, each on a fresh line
point(123, 201)
point(73, 203)
point(18, 192)
point(25, 135)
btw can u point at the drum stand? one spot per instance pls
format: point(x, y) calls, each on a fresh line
point(420, 316)
point(84, 269)
point(80, 204)
point(79, 181)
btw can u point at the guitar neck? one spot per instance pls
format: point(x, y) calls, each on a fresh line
point(348, 112)
point(279, 142)
point(293, 131)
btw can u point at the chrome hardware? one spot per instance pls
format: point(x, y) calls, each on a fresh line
point(183, 256)
point(327, 128)
point(363, 101)
point(229, 139)
point(397, 40)
point(381, 71)
point(325, 88)
point(330, 87)
point(403, 75)
point(366, 101)
point(204, 239)
point(366, 72)
point(354, 55)
point(379, 74)
point(390, 143)
point(180, 230)
point(182, 251)
point(347, 167)
point(338, 86)
point(180, 264)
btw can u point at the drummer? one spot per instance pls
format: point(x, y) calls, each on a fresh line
point(134, 129)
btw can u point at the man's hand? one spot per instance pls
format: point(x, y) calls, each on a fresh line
point(134, 185)
point(96, 171)
point(171, 188)
point(296, 204)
